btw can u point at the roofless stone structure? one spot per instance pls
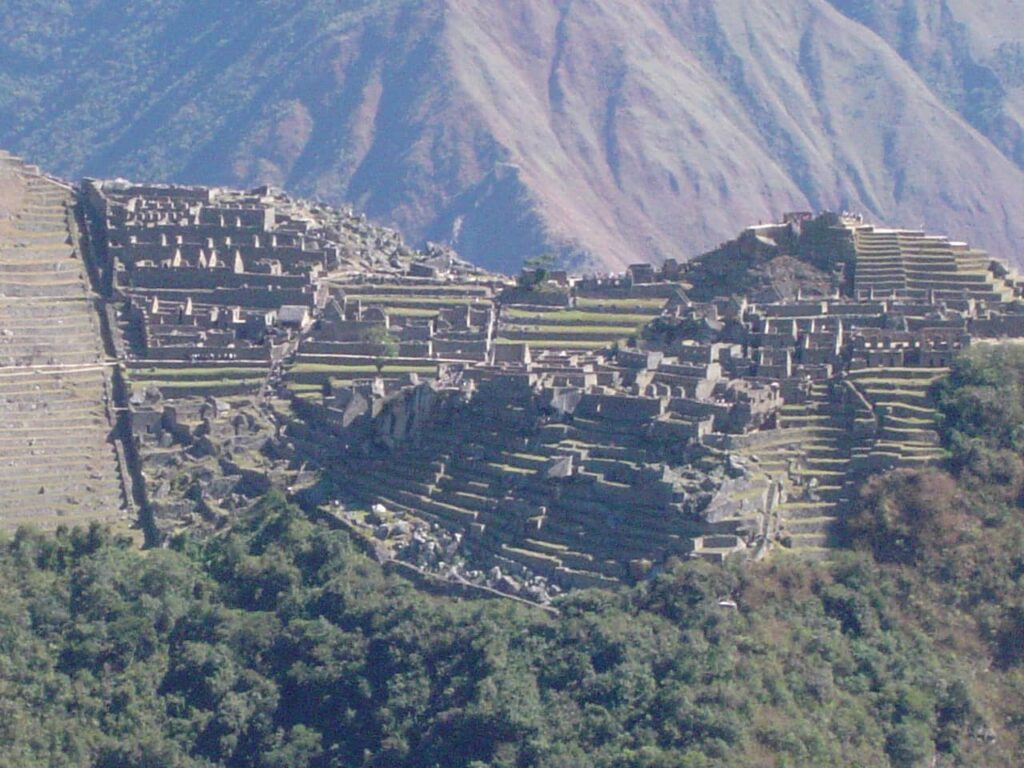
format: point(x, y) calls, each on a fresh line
point(527, 435)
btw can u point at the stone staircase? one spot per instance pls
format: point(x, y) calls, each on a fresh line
point(810, 454)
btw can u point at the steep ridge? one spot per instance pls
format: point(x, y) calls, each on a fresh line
point(618, 132)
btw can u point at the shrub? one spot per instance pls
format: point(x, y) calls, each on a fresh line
point(906, 515)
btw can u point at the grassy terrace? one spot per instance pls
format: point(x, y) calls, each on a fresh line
point(360, 369)
point(207, 379)
point(199, 384)
point(411, 312)
point(194, 373)
point(655, 304)
point(571, 316)
point(904, 394)
point(412, 300)
point(309, 376)
point(600, 323)
point(305, 388)
point(613, 331)
point(542, 342)
point(58, 465)
point(41, 279)
point(390, 287)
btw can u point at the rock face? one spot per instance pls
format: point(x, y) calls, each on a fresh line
point(605, 130)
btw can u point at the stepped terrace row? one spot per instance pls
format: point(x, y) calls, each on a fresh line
point(58, 461)
point(582, 428)
point(911, 262)
point(725, 426)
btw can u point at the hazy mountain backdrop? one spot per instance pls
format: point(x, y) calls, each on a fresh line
point(626, 130)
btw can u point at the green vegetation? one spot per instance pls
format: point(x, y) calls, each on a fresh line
point(982, 402)
point(196, 373)
point(606, 330)
point(413, 300)
point(208, 378)
point(536, 270)
point(541, 262)
point(570, 316)
point(379, 335)
point(957, 536)
point(411, 312)
point(277, 644)
point(540, 343)
point(196, 384)
point(315, 388)
point(634, 304)
point(359, 369)
point(367, 293)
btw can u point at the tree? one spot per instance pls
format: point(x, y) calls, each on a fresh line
point(907, 515)
point(387, 344)
point(536, 269)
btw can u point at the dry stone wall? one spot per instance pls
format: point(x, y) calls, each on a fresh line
point(59, 462)
point(536, 434)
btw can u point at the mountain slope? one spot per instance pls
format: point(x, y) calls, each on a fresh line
point(970, 53)
point(617, 131)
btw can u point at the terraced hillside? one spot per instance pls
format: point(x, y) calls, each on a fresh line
point(406, 302)
point(904, 260)
point(907, 430)
point(824, 447)
point(413, 298)
point(591, 502)
point(57, 462)
point(593, 323)
point(809, 454)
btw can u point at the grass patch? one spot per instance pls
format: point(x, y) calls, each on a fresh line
point(912, 394)
point(411, 312)
point(311, 388)
point(576, 316)
point(198, 384)
point(611, 331)
point(413, 300)
point(325, 368)
point(196, 373)
point(557, 343)
point(365, 290)
point(640, 304)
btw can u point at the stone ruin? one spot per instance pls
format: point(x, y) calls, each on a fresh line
point(522, 435)
point(574, 448)
point(62, 461)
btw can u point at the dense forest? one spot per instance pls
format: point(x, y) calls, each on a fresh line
point(275, 643)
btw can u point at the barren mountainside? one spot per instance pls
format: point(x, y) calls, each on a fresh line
point(610, 130)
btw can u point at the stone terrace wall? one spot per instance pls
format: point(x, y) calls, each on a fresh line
point(58, 463)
